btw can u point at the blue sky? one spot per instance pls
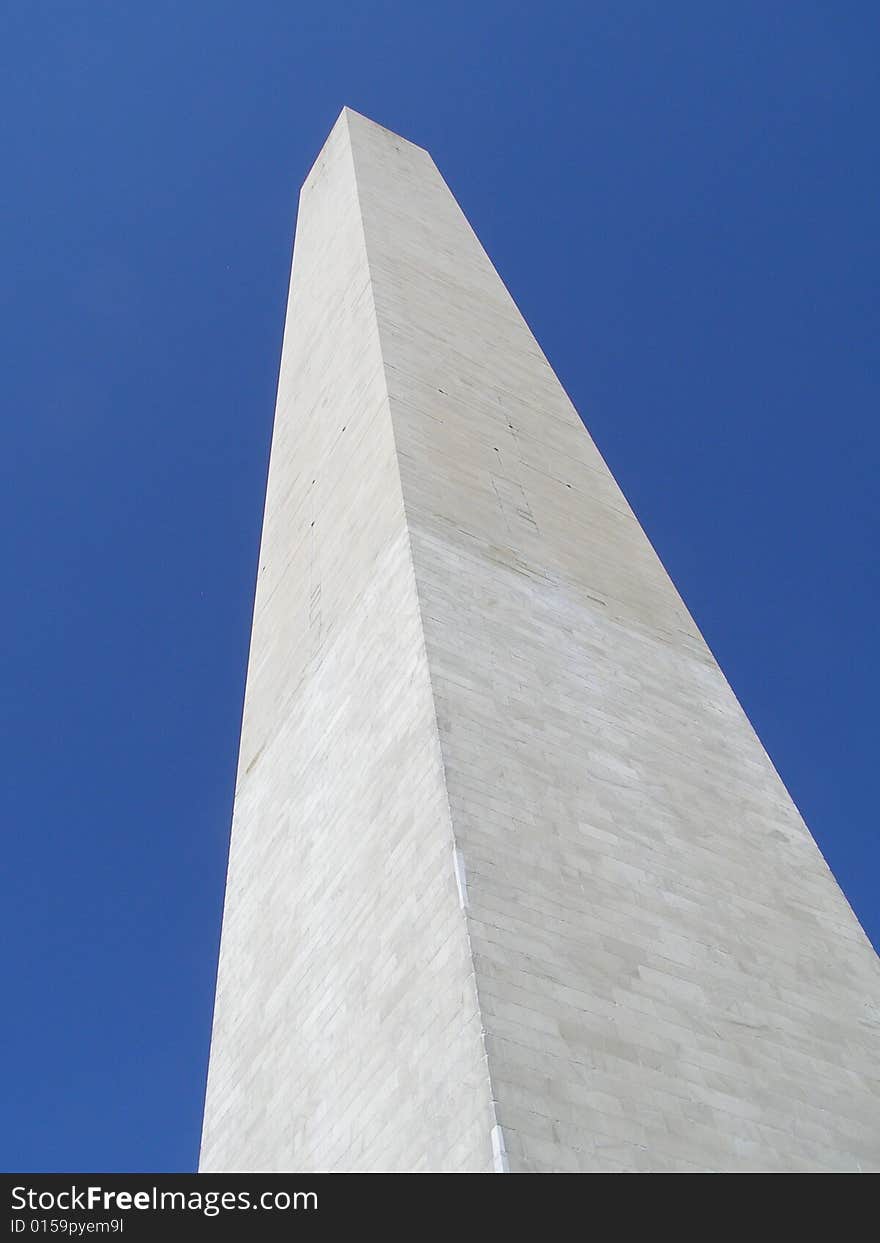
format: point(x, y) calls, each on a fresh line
point(683, 199)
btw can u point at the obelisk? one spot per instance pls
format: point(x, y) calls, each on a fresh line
point(512, 883)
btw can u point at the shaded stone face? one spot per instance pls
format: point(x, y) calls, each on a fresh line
point(512, 882)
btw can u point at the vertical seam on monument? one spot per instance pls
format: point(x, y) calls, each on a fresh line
point(500, 1164)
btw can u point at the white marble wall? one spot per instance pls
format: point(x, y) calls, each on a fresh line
point(346, 1031)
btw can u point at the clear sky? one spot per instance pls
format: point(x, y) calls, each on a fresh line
point(682, 198)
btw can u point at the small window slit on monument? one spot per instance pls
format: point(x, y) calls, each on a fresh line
point(460, 877)
point(499, 1152)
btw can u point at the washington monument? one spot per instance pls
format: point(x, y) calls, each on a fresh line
point(513, 885)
